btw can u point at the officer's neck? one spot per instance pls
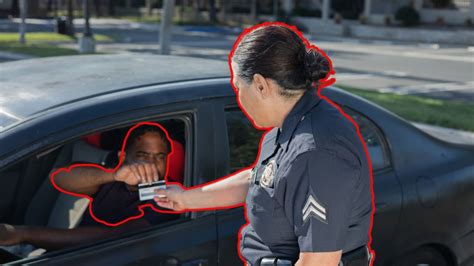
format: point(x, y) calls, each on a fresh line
point(284, 108)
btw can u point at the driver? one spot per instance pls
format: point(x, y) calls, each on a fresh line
point(114, 196)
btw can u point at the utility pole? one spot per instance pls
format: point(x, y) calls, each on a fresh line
point(253, 10)
point(165, 27)
point(23, 11)
point(326, 10)
point(86, 42)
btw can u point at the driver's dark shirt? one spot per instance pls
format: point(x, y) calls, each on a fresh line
point(114, 202)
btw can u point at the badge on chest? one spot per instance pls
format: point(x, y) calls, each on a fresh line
point(266, 180)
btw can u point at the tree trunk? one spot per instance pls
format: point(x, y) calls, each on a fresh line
point(253, 10)
point(111, 7)
point(97, 7)
point(212, 11)
point(15, 8)
point(148, 7)
point(223, 9)
point(70, 18)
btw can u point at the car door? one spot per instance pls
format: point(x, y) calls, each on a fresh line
point(242, 147)
point(387, 188)
point(191, 240)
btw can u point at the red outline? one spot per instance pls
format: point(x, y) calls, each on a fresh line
point(121, 160)
point(326, 81)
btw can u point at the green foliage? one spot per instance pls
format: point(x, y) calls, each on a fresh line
point(441, 3)
point(444, 113)
point(408, 16)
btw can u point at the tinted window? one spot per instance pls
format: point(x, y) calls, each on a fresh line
point(373, 138)
point(243, 140)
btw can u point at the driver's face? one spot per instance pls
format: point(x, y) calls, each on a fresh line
point(150, 148)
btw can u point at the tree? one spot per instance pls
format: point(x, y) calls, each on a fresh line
point(212, 11)
point(98, 8)
point(111, 7)
point(70, 18)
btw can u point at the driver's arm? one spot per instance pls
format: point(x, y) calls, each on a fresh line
point(88, 179)
point(82, 180)
point(53, 239)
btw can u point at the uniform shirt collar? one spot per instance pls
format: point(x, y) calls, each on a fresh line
point(304, 104)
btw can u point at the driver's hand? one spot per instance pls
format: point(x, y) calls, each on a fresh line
point(170, 198)
point(9, 235)
point(136, 173)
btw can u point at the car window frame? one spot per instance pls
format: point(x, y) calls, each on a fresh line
point(383, 140)
point(378, 131)
point(232, 108)
point(187, 116)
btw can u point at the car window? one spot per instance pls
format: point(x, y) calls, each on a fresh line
point(244, 140)
point(48, 208)
point(374, 139)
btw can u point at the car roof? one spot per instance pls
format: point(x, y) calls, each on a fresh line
point(31, 86)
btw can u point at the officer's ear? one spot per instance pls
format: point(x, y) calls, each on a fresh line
point(262, 86)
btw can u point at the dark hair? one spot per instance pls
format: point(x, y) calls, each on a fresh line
point(277, 52)
point(142, 130)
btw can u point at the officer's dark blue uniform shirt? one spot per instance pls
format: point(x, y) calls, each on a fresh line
point(310, 188)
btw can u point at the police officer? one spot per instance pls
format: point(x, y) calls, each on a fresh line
point(308, 198)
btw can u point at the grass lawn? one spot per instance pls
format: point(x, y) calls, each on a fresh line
point(42, 44)
point(444, 113)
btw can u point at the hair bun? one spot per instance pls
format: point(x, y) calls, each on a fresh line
point(316, 65)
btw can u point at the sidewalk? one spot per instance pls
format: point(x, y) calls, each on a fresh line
point(447, 134)
point(462, 36)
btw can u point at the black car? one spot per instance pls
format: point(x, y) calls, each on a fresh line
point(424, 187)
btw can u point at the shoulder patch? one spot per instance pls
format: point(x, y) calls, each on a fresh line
point(314, 208)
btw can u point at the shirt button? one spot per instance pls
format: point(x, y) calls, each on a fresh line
point(302, 118)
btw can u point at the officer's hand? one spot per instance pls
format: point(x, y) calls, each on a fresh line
point(136, 173)
point(9, 235)
point(171, 198)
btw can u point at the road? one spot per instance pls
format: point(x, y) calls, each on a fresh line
point(434, 70)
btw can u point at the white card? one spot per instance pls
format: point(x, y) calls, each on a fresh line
point(146, 191)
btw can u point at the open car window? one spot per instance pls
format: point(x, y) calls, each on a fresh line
point(30, 198)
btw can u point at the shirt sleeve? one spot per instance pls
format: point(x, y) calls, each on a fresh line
point(317, 197)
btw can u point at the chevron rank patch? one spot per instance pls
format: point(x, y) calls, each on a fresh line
point(314, 208)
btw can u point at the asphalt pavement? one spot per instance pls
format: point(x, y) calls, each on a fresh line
point(434, 70)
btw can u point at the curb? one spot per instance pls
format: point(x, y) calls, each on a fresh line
point(447, 134)
point(14, 56)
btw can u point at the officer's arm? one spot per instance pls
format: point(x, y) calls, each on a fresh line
point(317, 194)
point(319, 258)
point(225, 192)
